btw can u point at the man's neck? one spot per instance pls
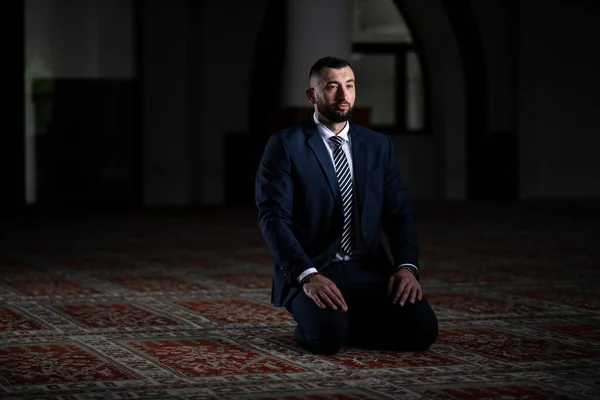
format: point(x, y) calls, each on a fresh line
point(335, 127)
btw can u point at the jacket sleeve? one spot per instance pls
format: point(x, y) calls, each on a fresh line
point(398, 220)
point(274, 195)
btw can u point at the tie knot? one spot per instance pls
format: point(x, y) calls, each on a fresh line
point(336, 140)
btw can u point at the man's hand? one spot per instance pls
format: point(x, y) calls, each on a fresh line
point(324, 293)
point(403, 285)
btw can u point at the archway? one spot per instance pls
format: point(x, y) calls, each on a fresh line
point(441, 54)
point(492, 159)
point(455, 72)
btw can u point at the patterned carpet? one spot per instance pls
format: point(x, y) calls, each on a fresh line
point(175, 305)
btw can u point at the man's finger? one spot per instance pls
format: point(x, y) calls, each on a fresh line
point(399, 291)
point(340, 298)
point(413, 294)
point(420, 291)
point(325, 298)
point(318, 302)
point(405, 294)
point(333, 296)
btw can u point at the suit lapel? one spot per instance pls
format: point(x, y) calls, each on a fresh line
point(359, 163)
point(318, 147)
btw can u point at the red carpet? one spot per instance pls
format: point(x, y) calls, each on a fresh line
point(176, 306)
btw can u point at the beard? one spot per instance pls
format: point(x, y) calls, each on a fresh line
point(332, 114)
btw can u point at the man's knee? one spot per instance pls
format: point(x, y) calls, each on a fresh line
point(426, 335)
point(328, 342)
point(425, 330)
point(416, 331)
point(326, 337)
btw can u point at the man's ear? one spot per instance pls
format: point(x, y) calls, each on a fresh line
point(310, 95)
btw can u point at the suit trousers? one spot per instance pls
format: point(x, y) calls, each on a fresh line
point(371, 321)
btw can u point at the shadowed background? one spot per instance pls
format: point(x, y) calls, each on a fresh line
point(130, 254)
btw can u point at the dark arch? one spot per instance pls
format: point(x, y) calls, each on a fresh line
point(480, 181)
point(433, 33)
point(492, 170)
point(471, 49)
point(244, 149)
point(268, 66)
point(425, 70)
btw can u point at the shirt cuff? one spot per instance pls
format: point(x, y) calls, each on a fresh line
point(306, 272)
point(410, 267)
point(404, 265)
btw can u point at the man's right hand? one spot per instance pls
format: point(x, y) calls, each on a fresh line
point(324, 293)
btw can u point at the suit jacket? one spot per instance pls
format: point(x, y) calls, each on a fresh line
point(299, 204)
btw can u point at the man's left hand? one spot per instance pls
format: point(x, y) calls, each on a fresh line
point(404, 286)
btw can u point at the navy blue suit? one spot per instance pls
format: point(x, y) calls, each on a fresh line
point(299, 207)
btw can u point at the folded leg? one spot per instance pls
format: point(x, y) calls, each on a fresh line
point(319, 331)
point(377, 323)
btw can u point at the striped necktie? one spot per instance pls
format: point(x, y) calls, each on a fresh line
point(342, 170)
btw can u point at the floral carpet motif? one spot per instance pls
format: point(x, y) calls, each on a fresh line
point(175, 305)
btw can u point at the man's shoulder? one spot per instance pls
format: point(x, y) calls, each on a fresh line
point(369, 134)
point(293, 131)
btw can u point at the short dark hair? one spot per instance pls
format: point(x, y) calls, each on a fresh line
point(327, 62)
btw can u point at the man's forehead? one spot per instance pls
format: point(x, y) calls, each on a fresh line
point(334, 74)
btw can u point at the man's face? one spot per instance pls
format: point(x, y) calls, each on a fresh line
point(334, 94)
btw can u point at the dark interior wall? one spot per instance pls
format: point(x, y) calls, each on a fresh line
point(12, 145)
point(485, 32)
point(243, 148)
point(196, 76)
point(498, 24)
point(489, 51)
point(558, 102)
point(80, 103)
point(171, 86)
point(229, 32)
point(540, 79)
point(189, 87)
point(86, 154)
point(532, 119)
point(266, 70)
point(448, 97)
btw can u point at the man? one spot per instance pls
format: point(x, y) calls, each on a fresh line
point(324, 190)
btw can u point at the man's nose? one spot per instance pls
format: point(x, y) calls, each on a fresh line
point(342, 93)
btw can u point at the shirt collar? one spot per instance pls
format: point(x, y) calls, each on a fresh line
point(326, 133)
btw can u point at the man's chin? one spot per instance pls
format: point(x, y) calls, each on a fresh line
point(340, 116)
point(344, 116)
point(334, 115)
